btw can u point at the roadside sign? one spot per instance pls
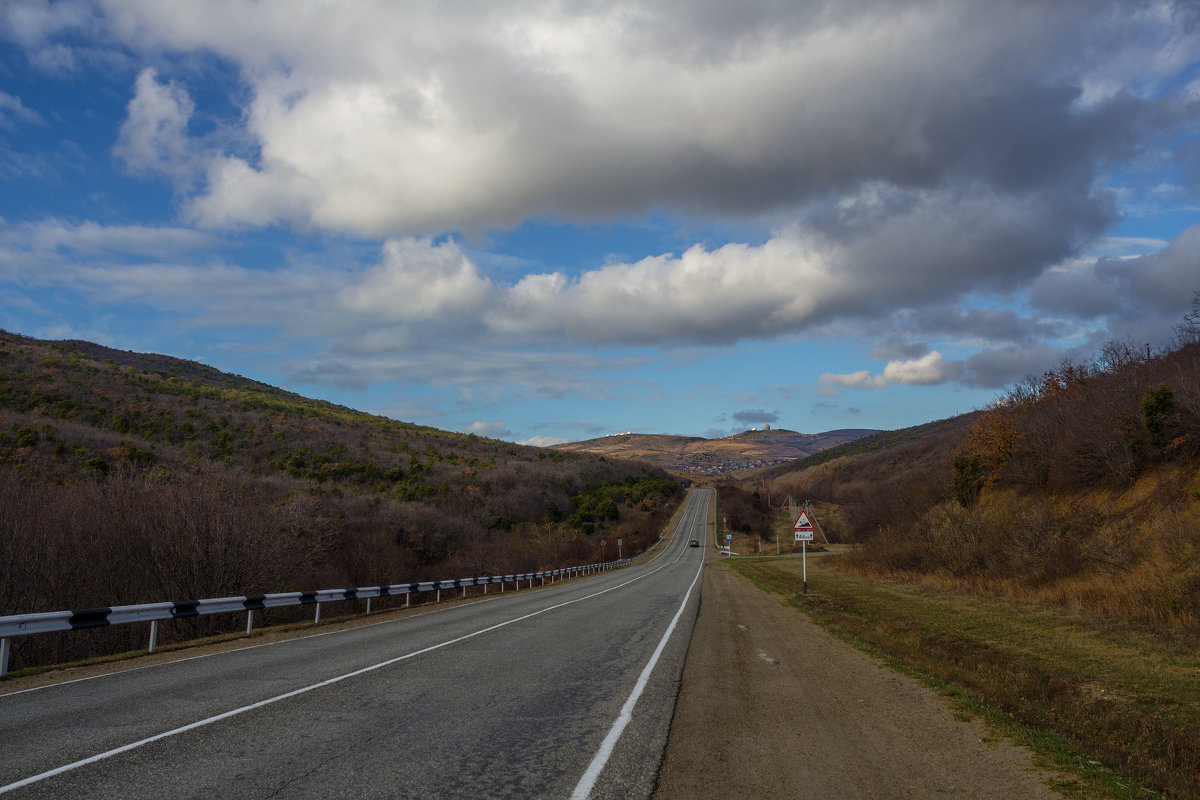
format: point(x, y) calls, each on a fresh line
point(804, 535)
point(729, 537)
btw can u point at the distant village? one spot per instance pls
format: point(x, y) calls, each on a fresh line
point(712, 464)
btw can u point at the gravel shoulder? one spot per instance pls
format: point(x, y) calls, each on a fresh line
point(771, 706)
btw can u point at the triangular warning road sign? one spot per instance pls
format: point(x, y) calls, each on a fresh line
point(803, 523)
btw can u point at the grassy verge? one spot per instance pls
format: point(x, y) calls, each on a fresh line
point(1119, 717)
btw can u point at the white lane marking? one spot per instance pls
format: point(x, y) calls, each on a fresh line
point(592, 774)
point(210, 655)
point(299, 638)
point(305, 689)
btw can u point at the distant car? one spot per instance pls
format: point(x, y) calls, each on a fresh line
point(694, 543)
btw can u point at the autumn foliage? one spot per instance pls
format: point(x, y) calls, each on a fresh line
point(1079, 487)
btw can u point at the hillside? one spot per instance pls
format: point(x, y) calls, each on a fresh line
point(738, 454)
point(1079, 488)
point(129, 478)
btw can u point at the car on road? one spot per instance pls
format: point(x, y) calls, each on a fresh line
point(694, 543)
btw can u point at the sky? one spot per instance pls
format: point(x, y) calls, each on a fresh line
point(547, 222)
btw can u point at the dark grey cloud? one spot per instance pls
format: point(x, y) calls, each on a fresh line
point(997, 368)
point(755, 416)
point(991, 324)
point(1162, 280)
point(894, 346)
point(1129, 293)
point(331, 373)
point(826, 408)
point(1079, 293)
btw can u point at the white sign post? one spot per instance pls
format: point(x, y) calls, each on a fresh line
point(804, 535)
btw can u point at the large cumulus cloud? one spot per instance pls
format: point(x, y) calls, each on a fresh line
point(424, 118)
point(903, 164)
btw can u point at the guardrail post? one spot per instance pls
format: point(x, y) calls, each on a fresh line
point(368, 605)
point(464, 591)
point(153, 636)
point(439, 596)
point(317, 616)
point(5, 649)
point(249, 621)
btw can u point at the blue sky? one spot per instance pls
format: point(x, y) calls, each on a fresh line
point(546, 222)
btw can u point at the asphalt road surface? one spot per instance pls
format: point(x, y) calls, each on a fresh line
point(563, 692)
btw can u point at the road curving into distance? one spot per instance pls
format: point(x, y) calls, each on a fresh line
point(564, 692)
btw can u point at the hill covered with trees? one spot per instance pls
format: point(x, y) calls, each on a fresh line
point(128, 478)
point(1079, 488)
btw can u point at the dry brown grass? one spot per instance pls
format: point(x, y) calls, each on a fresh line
point(1122, 562)
point(1120, 711)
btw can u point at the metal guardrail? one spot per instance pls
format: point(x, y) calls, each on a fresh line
point(49, 621)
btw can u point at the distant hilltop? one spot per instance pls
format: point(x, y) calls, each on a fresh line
point(738, 454)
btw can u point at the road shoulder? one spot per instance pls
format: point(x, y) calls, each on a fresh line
point(771, 706)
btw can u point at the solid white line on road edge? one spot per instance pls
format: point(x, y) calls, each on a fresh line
point(305, 689)
point(588, 781)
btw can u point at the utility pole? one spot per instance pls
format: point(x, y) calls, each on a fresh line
point(808, 508)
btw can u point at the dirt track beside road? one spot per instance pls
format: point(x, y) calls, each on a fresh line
point(774, 707)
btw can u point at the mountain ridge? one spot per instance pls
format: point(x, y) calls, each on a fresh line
point(738, 454)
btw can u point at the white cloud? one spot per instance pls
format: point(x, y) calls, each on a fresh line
point(417, 280)
point(862, 379)
point(492, 430)
point(33, 24)
point(398, 119)
point(928, 370)
point(906, 250)
point(154, 135)
point(543, 441)
point(12, 111)
point(128, 240)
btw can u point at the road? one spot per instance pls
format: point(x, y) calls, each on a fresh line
point(519, 695)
